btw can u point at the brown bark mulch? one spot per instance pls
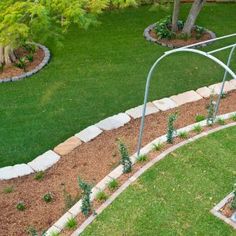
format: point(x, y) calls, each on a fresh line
point(91, 161)
point(11, 70)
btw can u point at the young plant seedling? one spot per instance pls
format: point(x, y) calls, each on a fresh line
point(8, 189)
point(101, 196)
point(71, 223)
point(157, 147)
point(20, 206)
point(220, 121)
point(183, 134)
point(197, 129)
point(48, 197)
point(39, 175)
point(142, 158)
point(199, 118)
point(113, 184)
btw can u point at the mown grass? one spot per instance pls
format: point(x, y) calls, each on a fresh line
point(176, 195)
point(98, 73)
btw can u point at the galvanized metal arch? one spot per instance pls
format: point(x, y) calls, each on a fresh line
point(184, 49)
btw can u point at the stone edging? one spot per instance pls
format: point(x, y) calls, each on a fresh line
point(50, 157)
point(43, 63)
point(118, 171)
point(132, 179)
point(216, 211)
point(148, 37)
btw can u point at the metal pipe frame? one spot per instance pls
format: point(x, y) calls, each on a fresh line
point(190, 50)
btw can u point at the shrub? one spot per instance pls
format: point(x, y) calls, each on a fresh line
point(30, 57)
point(211, 108)
point(183, 134)
point(48, 197)
point(157, 147)
point(233, 203)
point(162, 28)
point(199, 31)
point(199, 118)
point(69, 201)
point(71, 223)
point(101, 196)
point(31, 48)
point(39, 175)
point(233, 117)
point(197, 129)
point(21, 63)
point(20, 206)
point(125, 160)
point(142, 158)
point(171, 129)
point(86, 192)
point(33, 232)
point(113, 184)
point(220, 121)
point(8, 189)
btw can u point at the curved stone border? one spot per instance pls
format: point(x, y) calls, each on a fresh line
point(137, 174)
point(50, 157)
point(43, 63)
point(148, 37)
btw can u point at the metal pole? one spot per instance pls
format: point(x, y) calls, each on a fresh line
point(223, 82)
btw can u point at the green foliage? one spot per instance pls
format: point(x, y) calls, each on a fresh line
point(29, 47)
point(125, 160)
point(183, 134)
point(39, 175)
point(211, 111)
point(162, 28)
point(101, 196)
point(142, 158)
point(199, 31)
point(8, 189)
point(233, 203)
point(171, 129)
point(86, 192)
point(233, 117)
point(113, 184)
point(21, 63)
point(69, 201)
point(30, 57)
point(48, 197)
point(71, 223)
point(220, 121)
point(33, 232)
point(197, 129)
point(224, 95)
point(199, 118)
point(20, 206)
point(157, 147)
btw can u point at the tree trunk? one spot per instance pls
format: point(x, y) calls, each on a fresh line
point(175, 15)
point(7, 55)
point(193, 14)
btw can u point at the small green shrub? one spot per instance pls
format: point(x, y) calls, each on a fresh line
point(31, 48)
point(125, 160)
point(39, 175)
point(197, 129)
point(199, 31)
point(101, 196)
point(30, 57)
point(8, 189)
point(183, 134)
point(48, 197)
point(20, 206)
point(21, 63)
point(142, 158)
point(162, 28)
point(199, 118)
point(86, 192)
point(157, 147)
point(220, 121)
point(71, 223)
point(171, 129)
point(211, 108)
point(233, 117)
point(113, 184)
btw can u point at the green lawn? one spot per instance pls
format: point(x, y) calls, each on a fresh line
point(98, 73)
point(175, 196)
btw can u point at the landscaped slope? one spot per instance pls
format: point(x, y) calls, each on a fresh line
point(99, 73)
point(176, 195)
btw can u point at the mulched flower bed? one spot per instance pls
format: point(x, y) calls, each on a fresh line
point(91, 161)
point(11, 70)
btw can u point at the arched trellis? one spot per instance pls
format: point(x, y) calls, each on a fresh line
point(190, 49)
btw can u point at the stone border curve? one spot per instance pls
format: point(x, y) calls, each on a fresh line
point(60, 224)
point(148, 37)
point(43, 63)
point(51, 157)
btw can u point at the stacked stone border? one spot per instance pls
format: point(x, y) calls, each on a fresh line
point(116, 173)
point(43, 63)
point(148, 37)
point(216, 211)
point(50, 157)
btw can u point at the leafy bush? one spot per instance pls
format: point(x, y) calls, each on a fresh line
point(21, 63)
point(183, 134)
point(113, 184)
point(48, 197)
point(162, 28)
point(71, 223)
point(8, 189)
point(39, 175)
point(199, 118)
point(86, 192)
point(157, 147)
point(101, 196)
point(30, 57)
point(199, 31)
point(142, 158)
point(211, 108)
point(197, 129)
point(171, 129)
point(20, 206)
point(125, 160)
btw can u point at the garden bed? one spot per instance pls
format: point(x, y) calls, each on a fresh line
point(92, 162)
